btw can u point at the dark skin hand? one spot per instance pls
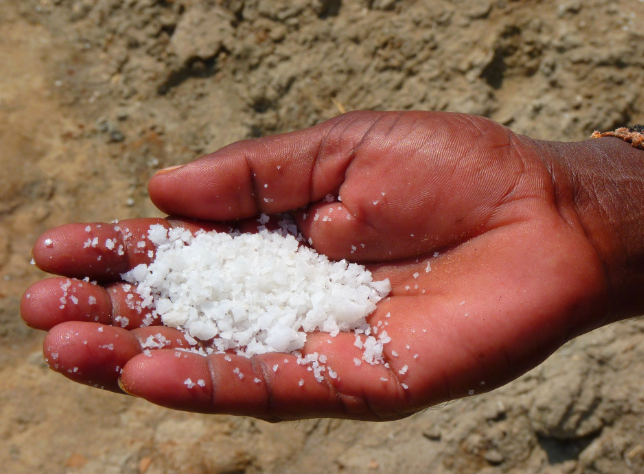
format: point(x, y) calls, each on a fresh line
point(537, 243)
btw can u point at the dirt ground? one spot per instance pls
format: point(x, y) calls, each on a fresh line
point(96, 95)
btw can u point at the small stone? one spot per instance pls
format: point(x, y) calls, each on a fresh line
point(494, 457)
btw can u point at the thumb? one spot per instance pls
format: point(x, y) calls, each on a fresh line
point(271, 174)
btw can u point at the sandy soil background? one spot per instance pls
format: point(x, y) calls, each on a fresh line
point(96, 95)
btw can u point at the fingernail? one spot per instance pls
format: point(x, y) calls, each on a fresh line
point(122, 385)
point(168, 169)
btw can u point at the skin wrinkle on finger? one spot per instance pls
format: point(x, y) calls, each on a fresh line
point(267, 378)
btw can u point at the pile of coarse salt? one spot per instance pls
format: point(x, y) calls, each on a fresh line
point(256, 293)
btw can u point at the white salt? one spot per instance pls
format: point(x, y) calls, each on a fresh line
point(275, 367)
point(109, 243)
point(92, 300)
point(405, 386)
point(403, 370)
point(100, 329)
point(301, 382)
point(188, 383)
point(201, 382)
point(253, 293)
point(49, 242)
point(384, 379)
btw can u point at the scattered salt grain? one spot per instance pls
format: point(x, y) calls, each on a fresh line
point(415, 356)
point(49, 242)
point(100, 329)
point(32, 262)
point(357, 361)
point(189, 383)
point(88, 229)
point(416, 275)
point(394, 353)
point(405, 386)
point(470, 392)
point(384, 379)
point(201, 382)
point(301, 382)
point(94, 242)
point(92, 300)
point(109, 243)
point(403, 370)
point(428, 268)
point(74, 299)
point(227, 357)
point(54, 355)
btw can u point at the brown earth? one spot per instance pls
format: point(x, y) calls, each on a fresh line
point(96, 95)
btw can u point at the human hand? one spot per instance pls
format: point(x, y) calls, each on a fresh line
point(522, 267)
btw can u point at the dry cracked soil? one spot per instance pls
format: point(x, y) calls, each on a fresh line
point(96, 95)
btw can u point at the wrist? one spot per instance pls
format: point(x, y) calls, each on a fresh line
point(602, 182)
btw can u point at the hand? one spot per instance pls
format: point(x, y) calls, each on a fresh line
point(516, 274)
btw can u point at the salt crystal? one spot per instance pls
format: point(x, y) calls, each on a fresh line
point(405, 386)
point(74, 299)
point(333, 374)
point(100, 329)
point(92, 300)
point(94, 242)
point(394, 353)
point(384, 379)
point(470, 392)
point(415, 356)
point(188, 383)
point(403, 370)
point(109, 243)
point(301, 382)
point(357, 361)
point(49, 242)
point(275, 367)
point(54, 355)
point(428, 268)
point(416, 275)
point(227, 357)
point(201, 382)
point(88, 229)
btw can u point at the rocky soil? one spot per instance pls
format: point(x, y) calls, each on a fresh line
point(96, 95)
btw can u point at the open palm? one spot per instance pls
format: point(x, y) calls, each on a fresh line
point(490, 269)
